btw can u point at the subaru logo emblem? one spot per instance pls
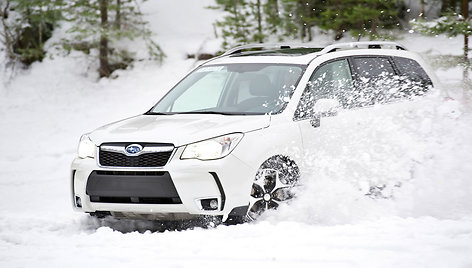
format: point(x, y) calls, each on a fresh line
point(133, 149)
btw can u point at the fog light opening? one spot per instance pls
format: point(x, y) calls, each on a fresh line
point(214, 204)
point(78, 202)
point(209, 204)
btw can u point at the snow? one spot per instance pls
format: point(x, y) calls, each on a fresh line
point(392, 242)
point(425, 145)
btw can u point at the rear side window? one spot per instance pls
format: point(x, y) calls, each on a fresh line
point(373, 67)
point(412, 70)
point(376, 81)
point(386, 79)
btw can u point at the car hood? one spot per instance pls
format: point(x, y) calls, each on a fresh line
point(178, 129)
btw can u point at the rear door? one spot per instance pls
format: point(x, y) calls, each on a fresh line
point(352, 145)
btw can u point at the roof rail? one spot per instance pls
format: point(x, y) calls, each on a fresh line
point(363, 45)
point(239, 49)
point(327, 49)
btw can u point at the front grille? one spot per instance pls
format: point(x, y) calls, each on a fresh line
point(132, 187)
point(112, 159)
point(117, 159)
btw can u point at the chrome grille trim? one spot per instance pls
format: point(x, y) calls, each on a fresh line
point(148, 149)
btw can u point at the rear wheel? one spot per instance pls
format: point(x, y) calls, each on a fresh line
point(273, 185)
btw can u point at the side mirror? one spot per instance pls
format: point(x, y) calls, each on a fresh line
point(324, 108)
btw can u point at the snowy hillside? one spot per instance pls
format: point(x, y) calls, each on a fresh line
point(421, 151)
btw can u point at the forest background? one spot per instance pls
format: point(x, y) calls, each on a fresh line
point(106, 29)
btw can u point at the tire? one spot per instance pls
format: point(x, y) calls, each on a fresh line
point(273, 185)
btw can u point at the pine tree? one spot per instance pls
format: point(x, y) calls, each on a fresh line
point(360, 18)
point(448, 6)
point(291, 18)
point(6, 33)
point(451, 24)
point(25, 27)
point(235, 27)
point(102, 24)
point(300, 16)
point(272, 15)
point(257, 12)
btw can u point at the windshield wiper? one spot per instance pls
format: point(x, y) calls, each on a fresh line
point(204, 112)
point(157, 113)
point(222, 113)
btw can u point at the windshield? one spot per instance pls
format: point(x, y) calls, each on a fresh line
point(249, 88)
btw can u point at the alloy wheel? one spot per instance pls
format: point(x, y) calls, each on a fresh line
point(270, 188)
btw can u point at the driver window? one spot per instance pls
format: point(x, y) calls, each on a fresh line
point(332, 80)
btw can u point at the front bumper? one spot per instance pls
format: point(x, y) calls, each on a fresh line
point(228, 180)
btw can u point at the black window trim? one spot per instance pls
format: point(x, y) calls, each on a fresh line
point(401, 73)
point(294, 118)
point(355, 74)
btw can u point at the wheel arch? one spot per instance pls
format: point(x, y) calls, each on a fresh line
point(282, 161)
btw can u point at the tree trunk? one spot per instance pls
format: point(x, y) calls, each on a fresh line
point(310, 35)
point(6, 32)
point(339, 34)
point(373, 29)
point(259, 22)
point(422, 9)
point(104, 69)
point(118, 15)
point(236, 18)
point(375, 22)
point(275, 4)
point(303, 32)
point(448, 5)
point(308, 11)
point(465, 14)
point(301, 10)
point(40, 25)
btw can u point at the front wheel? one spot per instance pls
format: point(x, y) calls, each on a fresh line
point(273, 185)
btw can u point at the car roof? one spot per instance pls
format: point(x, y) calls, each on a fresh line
point(303, 54)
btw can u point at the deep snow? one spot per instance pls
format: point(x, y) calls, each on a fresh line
point(424, 145)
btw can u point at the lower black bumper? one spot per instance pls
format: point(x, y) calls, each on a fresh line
point(140, 187)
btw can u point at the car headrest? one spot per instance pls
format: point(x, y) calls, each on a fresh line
point(261, 86)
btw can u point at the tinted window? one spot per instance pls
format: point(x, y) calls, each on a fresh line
point(415, 80)
point(376, 81)
point(332, 80)
point(371, 67)
point(411, 69)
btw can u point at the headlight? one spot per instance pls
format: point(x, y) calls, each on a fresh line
point(86, 147)
point(215, 148)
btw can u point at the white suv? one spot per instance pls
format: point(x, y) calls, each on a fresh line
point(230, 138)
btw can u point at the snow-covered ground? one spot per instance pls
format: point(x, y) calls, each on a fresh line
point(425, 145)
